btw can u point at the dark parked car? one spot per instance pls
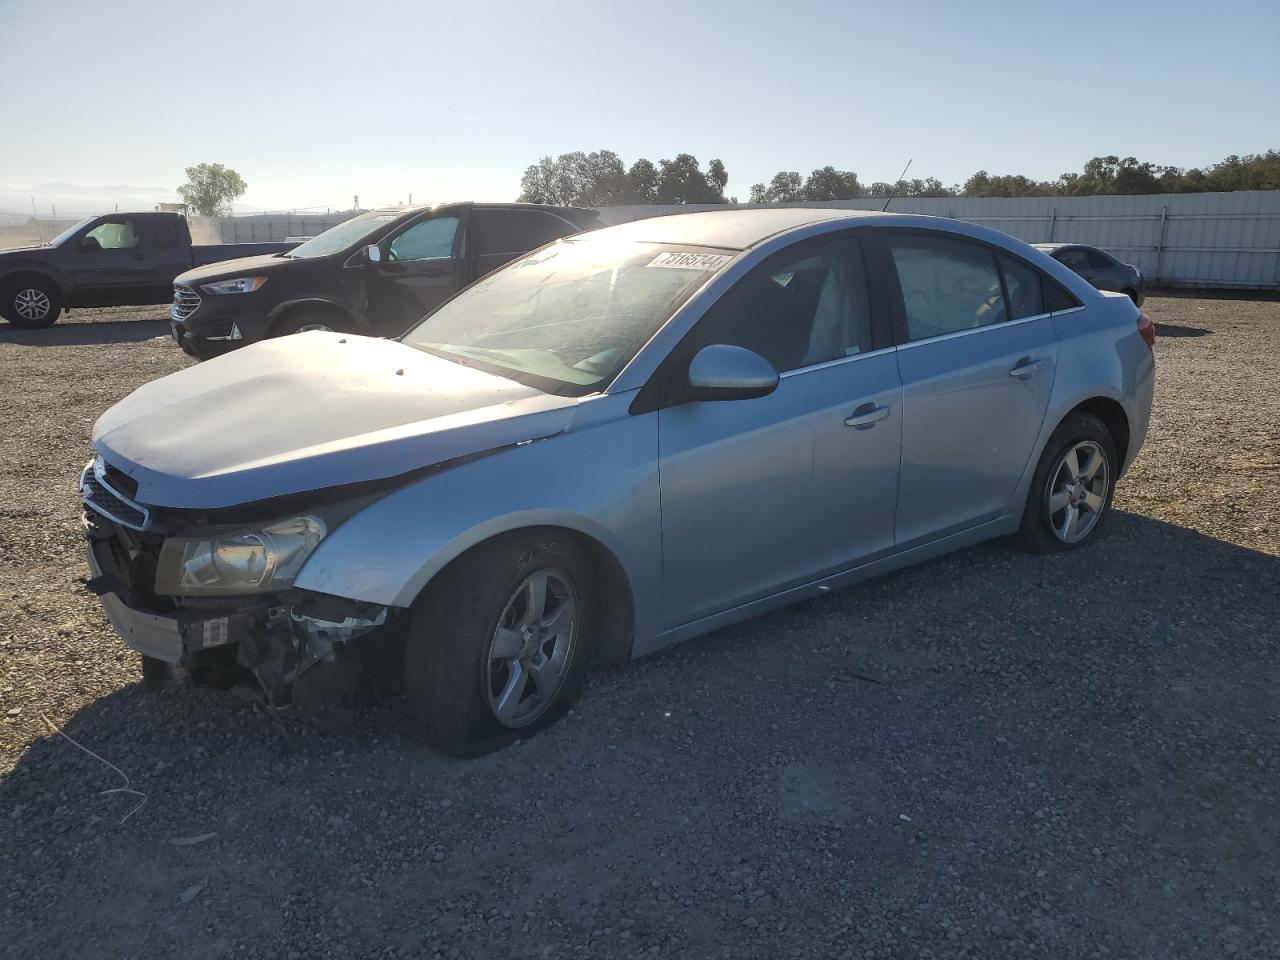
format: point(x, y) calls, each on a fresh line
point(376, 273)
point(1098, 267)
point(118, 259)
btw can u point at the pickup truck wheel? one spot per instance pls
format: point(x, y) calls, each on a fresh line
point(31, 303)
point(500, 643)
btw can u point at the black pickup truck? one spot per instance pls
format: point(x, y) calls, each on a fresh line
point(376, 273)
point(114, 260)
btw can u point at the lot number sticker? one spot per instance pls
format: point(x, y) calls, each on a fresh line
point(690, 261)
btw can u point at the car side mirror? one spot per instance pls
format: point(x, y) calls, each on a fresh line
point(725, 372)
point(373, 253)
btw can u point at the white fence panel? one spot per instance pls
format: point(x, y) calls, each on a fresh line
point(1229, 240)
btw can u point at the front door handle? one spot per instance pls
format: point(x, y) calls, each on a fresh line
point(865, 416)
point(1025, 367)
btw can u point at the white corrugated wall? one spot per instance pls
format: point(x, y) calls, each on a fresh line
point(1188, 239)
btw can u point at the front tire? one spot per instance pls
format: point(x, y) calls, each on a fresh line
point(1072, 487)
point(31, 304)
point(302, 321)
point(499, 645)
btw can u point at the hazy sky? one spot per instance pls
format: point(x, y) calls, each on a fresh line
point(315, 101)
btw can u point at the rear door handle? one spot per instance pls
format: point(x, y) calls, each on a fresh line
point(867, 415)
point(1025, 367)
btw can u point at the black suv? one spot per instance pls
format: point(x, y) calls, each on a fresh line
point(376, 273)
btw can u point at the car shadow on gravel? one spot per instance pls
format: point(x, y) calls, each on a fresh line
point(1177, 330)
point(1095, 727)
point(86, 334)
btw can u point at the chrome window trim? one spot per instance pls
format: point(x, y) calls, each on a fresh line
point(1002, 325)
point(836, 362)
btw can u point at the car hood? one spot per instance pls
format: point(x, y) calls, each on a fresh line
point(244, 266)
point(312, 411)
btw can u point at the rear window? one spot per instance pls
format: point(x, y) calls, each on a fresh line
point(1057, 297)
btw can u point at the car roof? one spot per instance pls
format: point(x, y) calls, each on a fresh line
point(1051, 247)
point(487, 205)
point(730, 229)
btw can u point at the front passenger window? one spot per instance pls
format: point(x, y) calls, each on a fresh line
point(948, 285)
point(112, 235)
point(427, 240)
point(801, 307)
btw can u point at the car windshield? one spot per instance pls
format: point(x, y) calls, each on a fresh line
point(566, 318)
point(344, 235)
point(65, 235)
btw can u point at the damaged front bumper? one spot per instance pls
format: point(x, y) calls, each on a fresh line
point(275, 638)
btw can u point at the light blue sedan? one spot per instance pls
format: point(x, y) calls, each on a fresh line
point(620, 441)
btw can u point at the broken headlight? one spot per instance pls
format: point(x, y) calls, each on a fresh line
point(246, 561)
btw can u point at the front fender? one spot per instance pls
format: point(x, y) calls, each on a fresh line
point(24, 266)
point(599, 480)
point(280, 309)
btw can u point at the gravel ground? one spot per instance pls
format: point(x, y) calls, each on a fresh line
point(993, 755)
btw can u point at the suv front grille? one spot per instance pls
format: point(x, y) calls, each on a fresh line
point(100, 498)
point(185, 301)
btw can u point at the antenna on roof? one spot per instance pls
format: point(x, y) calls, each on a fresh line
point(889, 199)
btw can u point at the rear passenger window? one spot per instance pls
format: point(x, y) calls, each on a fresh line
point(1098, 260)
point(1074, 259)
point(948, 285)
point(1022, 284)
point(166, 233)
point(515, 231)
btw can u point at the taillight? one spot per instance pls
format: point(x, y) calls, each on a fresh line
point(1147, 329)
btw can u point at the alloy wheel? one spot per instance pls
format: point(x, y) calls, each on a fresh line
point(532, 648)
point(32, 304)
point(1078, 488)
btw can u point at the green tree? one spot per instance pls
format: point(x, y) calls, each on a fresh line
point(682, 181)
point(828, 183)
point(785, 187)
point(642, 182)
point(983, 184)
point(210, 188)
point(600, 179)
point(551, 180)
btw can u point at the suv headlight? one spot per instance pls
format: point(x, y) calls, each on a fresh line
point(238, 285)
point(247, 561)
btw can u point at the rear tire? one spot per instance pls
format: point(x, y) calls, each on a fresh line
point(1131, 294)
point(1072, 487)
point(31, 304)
point(499, 645)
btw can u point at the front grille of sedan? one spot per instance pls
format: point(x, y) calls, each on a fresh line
point(102, 499)
point(185, 301)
